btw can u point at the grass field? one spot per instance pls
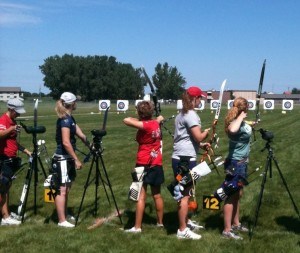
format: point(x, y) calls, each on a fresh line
point(277, 230)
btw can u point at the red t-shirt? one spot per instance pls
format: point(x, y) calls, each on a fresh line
point(8, 144)
point(148, 138)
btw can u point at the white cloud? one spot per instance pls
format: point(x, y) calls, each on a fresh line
point(17, 14)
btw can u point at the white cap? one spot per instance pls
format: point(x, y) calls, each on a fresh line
point(68, 97)
point(16, 104)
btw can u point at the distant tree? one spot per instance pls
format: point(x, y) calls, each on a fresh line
point(169, 82)
point(295, 91)
point(92, 77)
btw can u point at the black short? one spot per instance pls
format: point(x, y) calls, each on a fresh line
point(63, 170)
point(8, 167)
point(175, 165)
point(154, 176)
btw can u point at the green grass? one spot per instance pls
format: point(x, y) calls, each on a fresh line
point(278, 225)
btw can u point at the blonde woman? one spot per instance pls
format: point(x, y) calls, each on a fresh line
point(239, 134)
point(65, 161)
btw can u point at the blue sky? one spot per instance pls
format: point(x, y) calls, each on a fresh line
point(208, 41)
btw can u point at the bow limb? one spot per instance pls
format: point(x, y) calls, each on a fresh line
point(156, 104)
point(153, 91)
point(258, 97)
point(209, 152)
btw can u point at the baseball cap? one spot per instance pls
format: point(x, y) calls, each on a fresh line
point(16, 104)
point(196, 92)
point(68, 97)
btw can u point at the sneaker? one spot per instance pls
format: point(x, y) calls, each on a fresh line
point(187, 234)
point(192, 225)
point(71, 217)
point(159, 225)
point(133, 230)
point(240, 228)
point(231, 235)
point(15, 216)
point(65, 224)
point(10, 221)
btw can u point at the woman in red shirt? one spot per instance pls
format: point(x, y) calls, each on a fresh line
point(148, 156)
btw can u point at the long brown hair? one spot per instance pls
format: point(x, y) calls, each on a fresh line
point(239, 104)
point(187, 102)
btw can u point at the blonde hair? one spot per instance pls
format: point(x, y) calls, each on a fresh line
point(62, 109)
point(239, 104)
point(187, 103)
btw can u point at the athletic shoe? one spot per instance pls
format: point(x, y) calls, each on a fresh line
point(16, 216)
point(240, 228)
point(133, 230)
point(65, 224)
point(71, 217)
point(192, 225)
point(10, 221)
point(160, 225)
point(231, 235)
point(187, 234)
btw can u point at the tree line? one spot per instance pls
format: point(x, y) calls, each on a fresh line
point(103, 77)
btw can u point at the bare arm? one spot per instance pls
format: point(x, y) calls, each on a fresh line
point(81, 136)
point(236, 124)
point(133, 122)
point(65, 132)
point(6, 132)
point(197, 134)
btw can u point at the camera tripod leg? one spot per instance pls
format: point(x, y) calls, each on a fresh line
point(111, 191)
point(33, 169)
point(98, 176)
point(259, 202)
point(87, 183)
point(286, 187)
point(24, 194)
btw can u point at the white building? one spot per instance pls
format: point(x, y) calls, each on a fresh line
point(9, 92)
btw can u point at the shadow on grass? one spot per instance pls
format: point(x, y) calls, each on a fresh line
point(291, 224)
point(213, 222)
point(149, 218)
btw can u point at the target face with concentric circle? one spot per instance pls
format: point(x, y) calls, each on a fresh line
point(287, 105)
point(268, 104)
point(214, 104)
point(201, 105)
point(250, 105)
point(230, 104)
point(103, 105)
point(121, 105)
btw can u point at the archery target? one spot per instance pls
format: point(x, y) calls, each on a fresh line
point(229, 104)
point(122, 105)
point(104, 104)
point(201, 106)
point(287, 104)
point(214, 104)
point(251, 105)
point(269, 104)
point(137, 101)
point(179, 104)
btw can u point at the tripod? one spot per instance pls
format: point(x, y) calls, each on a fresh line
point(97, 151)
point(33, 170)
point(268, 166)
